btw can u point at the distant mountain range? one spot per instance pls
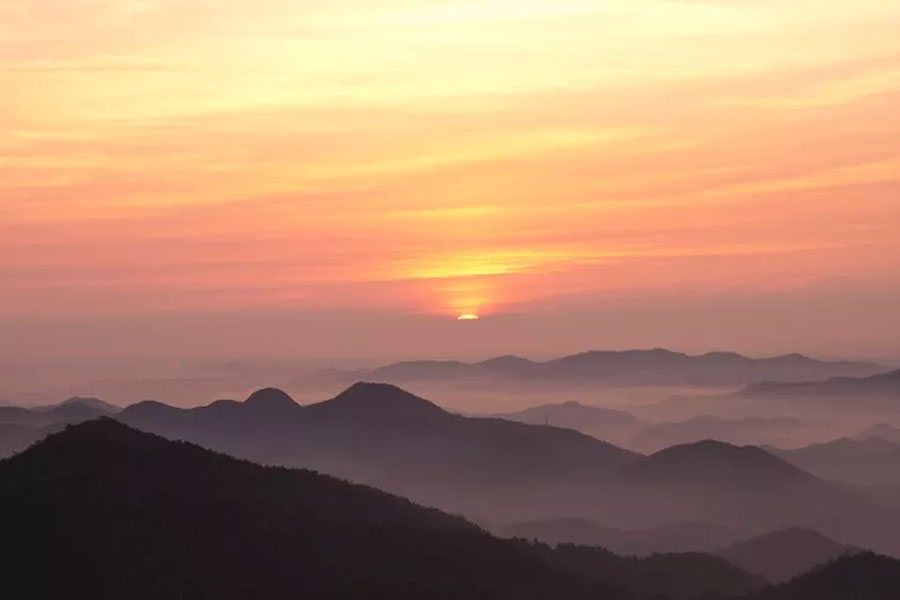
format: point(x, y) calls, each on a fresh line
point(872, 397)
point(73, 410)
point(603, 423)
point(20, 426)
point(882, 430)
point(867, 462)
point(631, 367)
point(880, 385)
point(741, 431)
point(114, 513)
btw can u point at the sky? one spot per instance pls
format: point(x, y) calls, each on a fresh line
point(345, 178)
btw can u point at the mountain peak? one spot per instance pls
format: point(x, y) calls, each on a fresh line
point(715, 461)
point(270, 399)
point(94, 434)
point(377, 398)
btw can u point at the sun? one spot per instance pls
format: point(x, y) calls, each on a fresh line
point(468, 317)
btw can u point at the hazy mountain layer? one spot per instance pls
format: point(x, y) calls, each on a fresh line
point(114, 513)
point(632, 367)
point(503, 471)
point(784, 554)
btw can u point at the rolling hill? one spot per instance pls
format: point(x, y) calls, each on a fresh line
point(867, 462)
point(748, 430)
point(781, 555)
point(381, 435)
point(502, 471)
point(115, 513)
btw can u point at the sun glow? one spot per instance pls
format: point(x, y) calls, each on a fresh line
point(468, 317)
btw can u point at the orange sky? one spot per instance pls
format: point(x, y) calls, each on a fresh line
point(575, 169)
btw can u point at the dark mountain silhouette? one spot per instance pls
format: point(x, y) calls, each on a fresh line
point(672, 537)
point(384, 436)
point(784, 554)
point(868, 462)
point(748, 430)
point(859, 576)
point(115, 513)
point(603, 423)
point(641, 367)
point(686, 576)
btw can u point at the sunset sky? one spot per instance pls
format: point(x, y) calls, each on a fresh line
point(345, 178)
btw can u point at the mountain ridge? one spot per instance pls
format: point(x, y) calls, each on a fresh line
point(651, 366)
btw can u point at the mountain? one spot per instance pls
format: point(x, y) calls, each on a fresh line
point(384, 436)
point(867, 462)
point(20, 426)
point(881, 385)
point(745, 488)
point(630, 367)
point(748, 430)
point(884, 431)
point(686, 576)
point(714, 462)
point(116, 513)
point(860, 576)
point(603, 423)
point(671, 537)
point(835, 398)
point(94, 403)
point(503, 471)
point(73, 410)
point(781, 555)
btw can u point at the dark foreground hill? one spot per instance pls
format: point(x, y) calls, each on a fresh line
point(103, 511)
point(858, 577)
point(695, 536)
